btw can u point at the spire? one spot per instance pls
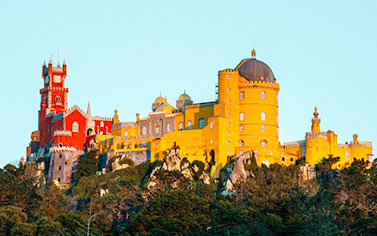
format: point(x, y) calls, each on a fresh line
point(115, 117)
point(44, 63)
point(253, 53)
point(64, 63)
point(50, 61)
point(89, 119)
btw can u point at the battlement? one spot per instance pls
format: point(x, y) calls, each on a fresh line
point(129, 138)
point(56, 149)
point(294, 144)
point(258, 83)
point(75, 107)
point(124, 125)
point(341, 145)
point(360, 144)
point(228, 71)
point(62, 133)
point(102, 118)
point(316, 135)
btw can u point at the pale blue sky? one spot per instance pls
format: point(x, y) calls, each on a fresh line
point(122, 54)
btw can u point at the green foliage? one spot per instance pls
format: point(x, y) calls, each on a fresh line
point(88, 165)
point(127, 160)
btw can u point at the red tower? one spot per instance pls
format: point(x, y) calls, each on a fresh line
point(53, 98)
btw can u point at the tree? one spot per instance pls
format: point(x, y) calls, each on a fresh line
point(88, 165)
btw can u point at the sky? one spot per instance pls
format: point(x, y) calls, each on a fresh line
point(123, 54)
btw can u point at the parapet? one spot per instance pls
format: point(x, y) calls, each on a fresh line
point(62, 149)
point(316, 135)
point(62, 133)
point(361, 144)
point(294, 144)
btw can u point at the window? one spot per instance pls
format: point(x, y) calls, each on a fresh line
point(75, 127)
point(126, 133)
point(229, 123)
point(189, 124)
point(270, 153)
point(212, 125)
point(144, 130)
point(101, 133)
point(283, 159)
point(347, 155)
point(181, 126)
point(59, 180)
point(211, 141)
point(168, 128)
point(107, 130)
point(58, 100)
point(60, 155)
point(263, 128)
point(291, 159)
point(263, 116)
point(157, 129)
point(263, 143)
point(242, 95)
point(242, 116)
point(241, 128)
point(229, 114)
point(229, 142)
point(229, 77)
point(60, 168)
point(201, 123)
point(101, 124)
point(263, 95)
point(229, 89)
point(242, 143)
point(66, 163)
point(229, 132)
point(229, 101)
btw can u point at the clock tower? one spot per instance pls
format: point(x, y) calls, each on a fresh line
point(53, 94)
point(53, 99)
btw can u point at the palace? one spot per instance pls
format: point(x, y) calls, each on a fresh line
point(244, 117)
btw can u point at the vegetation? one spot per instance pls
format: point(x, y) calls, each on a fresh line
point(274, 201)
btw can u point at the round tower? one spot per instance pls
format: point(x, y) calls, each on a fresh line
point(258, 109)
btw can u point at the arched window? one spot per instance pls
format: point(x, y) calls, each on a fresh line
point(241, 128)
point(263, 116)
point(144, 130)
point(101, 124)
point(263, 95)
point(242, 116)
point(347, 155)
point(212, 125)
point(157, 129)
point(242, 143)
point(181, 126)
point(58, 100)
point(189, 124)
point(168, 128)
point(75, 127)
point(201, 123)
point(263, 143)
point(126, 133)
point(242, 95)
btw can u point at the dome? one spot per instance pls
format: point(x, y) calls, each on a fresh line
point(184, 97)
point(166, 107)
point(255, 70)
point(160, 100)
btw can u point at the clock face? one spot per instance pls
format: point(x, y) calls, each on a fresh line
point(57, 79)
point(47, 79)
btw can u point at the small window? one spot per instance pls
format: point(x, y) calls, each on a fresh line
point(189, 124)
point(212, 125)
point(59, 180)
point(229, 77)
point(66, 163)
point(229, 142)
point(75, 127)
point(229, 101)
point(242, 143)
point(60, 155)
point(291, 159)
point(58, 100)
point(60, 168)
point(283, 159)
point(263, 116)
point(263, 95)
point(241, 128)
point(126, 133)
point(144, 130)
point(229, 132)
point(242, 116)
point(181, 126)
point(263, 128)
point(157, 129)
point(242, 95)
point(211, 141)
point(101, 133)
point(347, 155)
point(229, 89)
point(201, 123)
point(263, 143)
point(229, 123)
point(229, 114)
point(101, 124)
point(168, 128)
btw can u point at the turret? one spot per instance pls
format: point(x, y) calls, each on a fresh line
point(316, 122)
point(115, 117)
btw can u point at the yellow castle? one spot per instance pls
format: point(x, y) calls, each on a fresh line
point(243, 118)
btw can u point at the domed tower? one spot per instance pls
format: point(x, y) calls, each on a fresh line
point(250, 97)
point(184, 99)
point(159, 101)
